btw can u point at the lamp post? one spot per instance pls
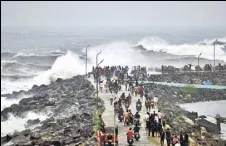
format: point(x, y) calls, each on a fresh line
point(198, 58)
point(114, 117)
point(86, 60)
point(214, 55)
point(97, 74)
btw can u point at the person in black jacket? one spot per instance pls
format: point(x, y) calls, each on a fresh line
point(149, 126)
point(181, 140)
point(162, 137)
point(186, 139)
point(168, 137)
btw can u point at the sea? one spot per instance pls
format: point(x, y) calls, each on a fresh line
point(35, 57)
point(209, 109)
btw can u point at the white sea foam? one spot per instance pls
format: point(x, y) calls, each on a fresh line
point(18, 124)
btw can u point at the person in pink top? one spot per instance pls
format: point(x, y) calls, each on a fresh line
point(175, 140)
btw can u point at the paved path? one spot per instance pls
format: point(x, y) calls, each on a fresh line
point(108, 117)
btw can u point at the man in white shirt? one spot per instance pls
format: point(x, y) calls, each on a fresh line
point(155, 100)
point(160, 116)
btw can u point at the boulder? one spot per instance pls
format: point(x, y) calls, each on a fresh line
point(33, 122)
point(48, 124)
point(34, 86)
point(181, 96)
point(56, 143)
point(188, 96)
point(26, 132)
point(59, 80)
point(68, 141)
point(174, 96)
point(43, 86)
point(50, 103)
point(35, 136)
point(25, 101)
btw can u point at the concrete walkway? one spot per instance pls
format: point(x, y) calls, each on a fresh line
point(108, 117)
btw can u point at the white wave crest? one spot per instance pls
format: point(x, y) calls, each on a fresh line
point(18, 124)
point(185, 49)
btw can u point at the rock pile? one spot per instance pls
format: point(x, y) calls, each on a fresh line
point(70, 105)
point(170, 97)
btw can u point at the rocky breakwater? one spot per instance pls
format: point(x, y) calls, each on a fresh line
point(70, 105)
point(218, 78)
point(183, 121)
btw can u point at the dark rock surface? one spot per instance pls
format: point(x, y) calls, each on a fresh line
point(71, 105)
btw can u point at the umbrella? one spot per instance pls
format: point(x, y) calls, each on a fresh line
point(202, 116)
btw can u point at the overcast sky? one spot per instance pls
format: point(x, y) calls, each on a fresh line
point(110, 14)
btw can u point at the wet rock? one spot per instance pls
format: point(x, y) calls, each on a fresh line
point(35, 136)
point(63, 98)
point(75, 134)
point(188, 96)
point(6, 138)
point(43, 86)
point(33, 122)
point(34, 86)
point(56, 143)
point(59, 80)
point(48, 124)
point(50, 103)
point(24, 133)
point(69, 141)
point(181, 96)
point(30, 143)
point(75, 117)
point(25, 101)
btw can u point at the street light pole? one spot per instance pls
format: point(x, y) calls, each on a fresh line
point(97, 75)
point(86, 60)
point(214, 55)
point(114, 117)
point(198, 58)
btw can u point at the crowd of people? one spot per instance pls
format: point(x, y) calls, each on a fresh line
point(155, 124)
point(188, 68)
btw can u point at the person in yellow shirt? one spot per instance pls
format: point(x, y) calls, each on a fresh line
point(136, 90)
point(126, 114)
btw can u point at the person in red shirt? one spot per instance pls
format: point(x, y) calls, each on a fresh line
point(129, 99)
point(102, 136)
point(129, 133)
point(102, 70)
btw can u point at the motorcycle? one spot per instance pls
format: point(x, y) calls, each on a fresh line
point(126, 105)
point(109, 140)
point(115, 89)
point(119, 87)
point(120, 117)
point(130, 141)
point(123, 101)
point(137, 136)
point(138, 107)
point(111, 101)
point(136, 121)
point(131, 120)
point(126, 122)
